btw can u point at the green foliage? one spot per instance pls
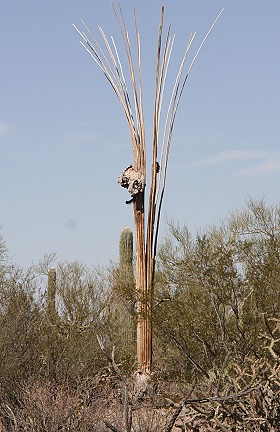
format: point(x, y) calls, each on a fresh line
point(62, 346)
point(221, 285)
point(216, 323)
point(82, 296)
point(20, 325)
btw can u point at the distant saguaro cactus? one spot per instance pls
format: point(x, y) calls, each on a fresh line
point(51, 293)
point(126, 255)
point(126, 271)
point(126, 275)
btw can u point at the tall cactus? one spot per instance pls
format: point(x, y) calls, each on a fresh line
point(51, 348)
point(126, 279)
point(51, 310)
point(126, 256)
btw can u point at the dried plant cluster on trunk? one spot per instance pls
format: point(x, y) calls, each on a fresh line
point(134, 177)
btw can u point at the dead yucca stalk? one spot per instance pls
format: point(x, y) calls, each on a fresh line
point(134, 178)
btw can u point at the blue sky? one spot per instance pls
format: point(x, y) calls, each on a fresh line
point(64, 139)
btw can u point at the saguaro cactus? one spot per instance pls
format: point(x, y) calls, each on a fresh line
point(126, 255)
point(133, 177)
point(51, 294)
point(126, 275)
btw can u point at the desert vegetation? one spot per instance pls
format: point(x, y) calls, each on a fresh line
point(68, 349)
point(76, 351)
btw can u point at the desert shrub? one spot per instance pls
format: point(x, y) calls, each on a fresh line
point(214, 291)
point(21, 323)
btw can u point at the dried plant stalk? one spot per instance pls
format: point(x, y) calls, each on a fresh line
point(111, 66)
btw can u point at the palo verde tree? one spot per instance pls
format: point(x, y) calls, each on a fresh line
point(133, 177)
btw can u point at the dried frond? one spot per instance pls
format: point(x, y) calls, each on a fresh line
point(111, 65)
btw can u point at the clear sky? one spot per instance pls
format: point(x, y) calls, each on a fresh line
point(64, 139)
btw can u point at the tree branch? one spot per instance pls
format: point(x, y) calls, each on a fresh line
point(110, 426)
point(222, 398)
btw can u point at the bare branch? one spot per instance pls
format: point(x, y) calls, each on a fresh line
point(223, 398)
point(109, 357)
point(110, 426)
point(178, 410)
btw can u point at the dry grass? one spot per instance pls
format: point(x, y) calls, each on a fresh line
point(96, 405)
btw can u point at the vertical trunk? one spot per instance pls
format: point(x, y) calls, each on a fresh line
point(126, 275)
point(51, 294)
point(144, 327)
point(52, 319)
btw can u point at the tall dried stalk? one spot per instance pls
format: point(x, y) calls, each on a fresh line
point(146, 240)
